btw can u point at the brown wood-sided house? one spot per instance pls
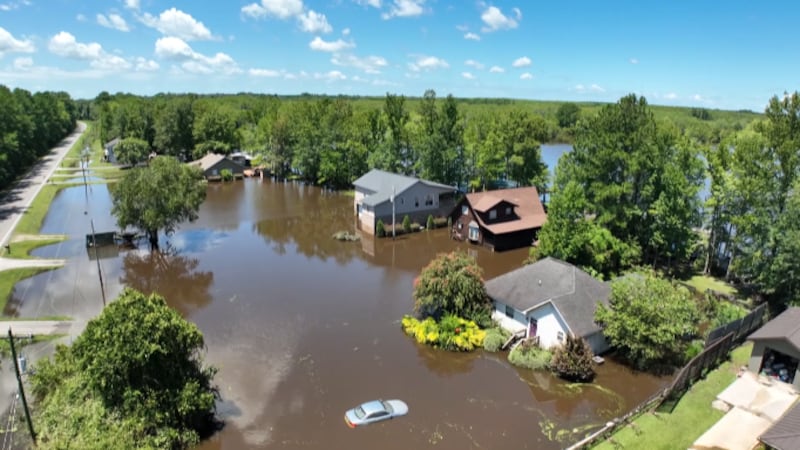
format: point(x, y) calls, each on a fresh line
point(212, 165)
point(500, 220)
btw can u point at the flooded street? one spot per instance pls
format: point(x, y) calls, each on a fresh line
point(303, 327)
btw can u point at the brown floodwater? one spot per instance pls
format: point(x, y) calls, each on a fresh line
point(303, 327)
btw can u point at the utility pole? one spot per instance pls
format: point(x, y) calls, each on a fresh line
point(393, 222)
point(97, 258)
point(84, 163)
point(21, 387)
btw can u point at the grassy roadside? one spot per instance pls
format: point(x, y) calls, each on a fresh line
point(693, 414)
point(8, 278)
point(5, 346)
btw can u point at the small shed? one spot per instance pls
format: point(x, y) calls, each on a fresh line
point(776, 348)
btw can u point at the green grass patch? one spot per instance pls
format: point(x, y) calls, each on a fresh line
point(38, 319)
point(31, 220)
point(5, 346)
point(8, 278)
point(703, 282)
point(348, 193)
point(692, 416)
point(22, 249)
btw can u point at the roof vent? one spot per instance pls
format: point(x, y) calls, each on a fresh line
point(540, 282)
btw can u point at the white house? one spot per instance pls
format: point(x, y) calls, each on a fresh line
point(549, 299)
point(413, 197)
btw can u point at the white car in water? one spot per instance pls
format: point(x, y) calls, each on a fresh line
point(375, 411)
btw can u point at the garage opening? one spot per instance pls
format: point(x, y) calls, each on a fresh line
point(778, 366)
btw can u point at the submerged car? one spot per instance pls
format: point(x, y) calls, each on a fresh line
point(375, 411)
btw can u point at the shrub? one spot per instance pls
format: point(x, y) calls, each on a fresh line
point(494, 340)
point(694, 349)
point(380, 229)
point(449, 222)
point(451, 333)
point(452, 284)
point(725, 313)
point(530, 356)
point(440, 222)
point(407, 224)
point(226, 174)
point(415, 227)
point(573, 359)
point(429, 222)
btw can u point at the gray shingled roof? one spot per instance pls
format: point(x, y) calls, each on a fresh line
point(786, 326)
point(785, 433)
point(573, 292)
point(381, 183)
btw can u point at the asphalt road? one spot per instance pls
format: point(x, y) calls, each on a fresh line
point(18, 199)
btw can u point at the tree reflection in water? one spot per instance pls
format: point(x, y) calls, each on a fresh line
point(170, 274)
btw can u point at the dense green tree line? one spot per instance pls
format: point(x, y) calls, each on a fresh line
point(333, 140)
point(30, 124)
point(629, 195)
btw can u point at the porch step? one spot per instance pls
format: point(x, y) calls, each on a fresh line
point(513, 339)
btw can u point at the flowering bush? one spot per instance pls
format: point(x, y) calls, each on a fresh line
point(451, 333)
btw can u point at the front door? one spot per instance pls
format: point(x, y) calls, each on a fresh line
point(532, 324)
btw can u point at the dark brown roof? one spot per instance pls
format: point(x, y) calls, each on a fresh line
point(785, 433)
point(528, 207)
point(784, 327)
point(573, 292)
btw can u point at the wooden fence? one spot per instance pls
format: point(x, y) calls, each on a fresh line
point(741, 328)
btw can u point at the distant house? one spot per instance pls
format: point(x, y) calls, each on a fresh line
point(776, 348)
point(212, 165)
point(108, 150)
point(548, 300)
point(412, 197)
point(242, 158)
point(501, 220)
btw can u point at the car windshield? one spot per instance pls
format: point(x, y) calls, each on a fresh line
point(387, 407)
point(360, 412)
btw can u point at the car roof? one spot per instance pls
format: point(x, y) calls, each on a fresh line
point(373, 406)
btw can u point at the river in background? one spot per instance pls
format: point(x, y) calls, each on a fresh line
point(303, 327)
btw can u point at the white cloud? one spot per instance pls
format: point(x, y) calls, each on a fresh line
point(526, 76)
point(633, 61)
point(405, 8)
point(369, 64)
point(9, 43)
point(373, 3)
point(333, 75)
point(472, 37)
point(496, 20)
point(313, 22)
point(427, 63)
point(132, 4)
point(671, 96)
point(174, 22)
point(10, 6)
point(282, 9)
point(321, 45)
point(699, 98)
point(591, 88)
point(473, 63)
point(596, 88)
point(23, 63)
point(522, 62)
point(113, 21)
point(80, 18)
point(177, 50)
point(346, 32)
point(64, 44)
point(110, 62)
point(468, 75)
point(497, 69)
point(146, 65)
point(267, 73)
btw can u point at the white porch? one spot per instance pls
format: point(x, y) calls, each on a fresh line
point(508, 323)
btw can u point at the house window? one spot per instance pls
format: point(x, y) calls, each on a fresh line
point(460, 226)
point(402, 201)
point(560, 336)
point(492, 214)
point(464, 210)
point(508, 210)
point(474, 235)
point(509, 311)
point(428, 200)
point(416, 202)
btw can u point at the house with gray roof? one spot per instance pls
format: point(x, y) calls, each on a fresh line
point(776, 348)
point(784, 434)
point(212, 165)
point(377, 190)
point(550, 299)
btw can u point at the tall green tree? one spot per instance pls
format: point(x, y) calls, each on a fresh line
point(400, 157)
point(158, 197)
point(568, 114)
point(214, 131)
point(173, 129)
point(452, 284)
point(648, 320)
point(134, 378)
point(131, 151)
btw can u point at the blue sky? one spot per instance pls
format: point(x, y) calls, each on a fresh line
point(730, 55)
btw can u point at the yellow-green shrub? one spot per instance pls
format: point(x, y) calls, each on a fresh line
point(452, 333)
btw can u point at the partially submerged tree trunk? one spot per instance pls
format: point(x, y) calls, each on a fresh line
point(152, 235)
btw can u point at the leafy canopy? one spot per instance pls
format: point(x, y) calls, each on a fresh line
point(451, 284)
point(573, 359)
point(137, 374)
point(158, 197)
point(648, 319)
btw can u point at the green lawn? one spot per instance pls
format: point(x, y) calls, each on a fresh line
point(692, 416)
point(31, 220)
point(22, 249)
point(703, 282)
